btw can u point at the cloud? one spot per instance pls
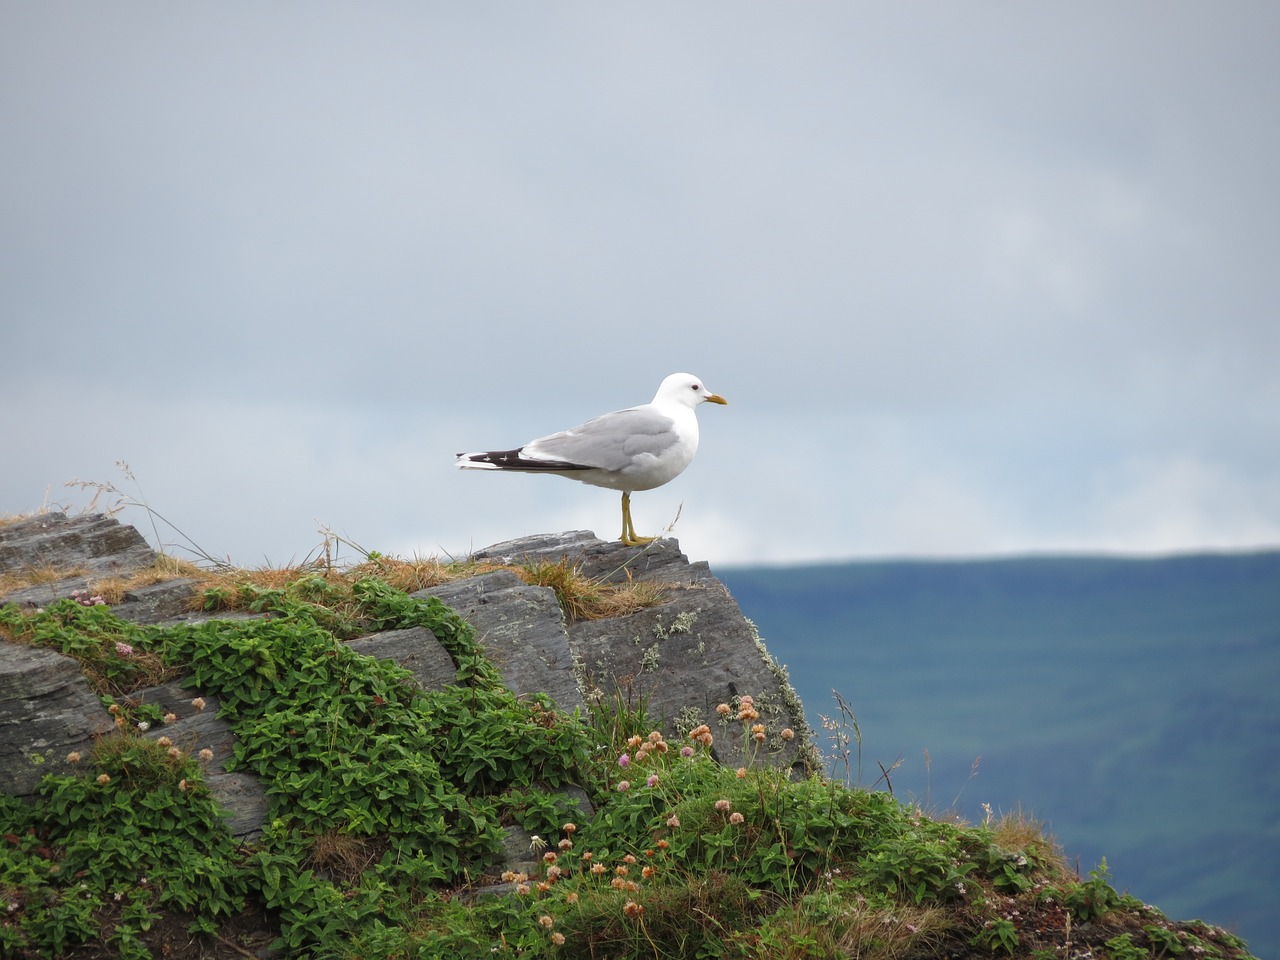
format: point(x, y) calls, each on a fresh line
point(949, 269)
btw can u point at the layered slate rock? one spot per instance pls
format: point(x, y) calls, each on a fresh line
point(94, 546)
point(522, 630)
point(197, 727)
point(47, 711)
point(417, 650)
point(681, 658)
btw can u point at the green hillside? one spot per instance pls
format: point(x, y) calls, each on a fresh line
point(1129, 703)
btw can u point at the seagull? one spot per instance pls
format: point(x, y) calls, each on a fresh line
point(638, 448)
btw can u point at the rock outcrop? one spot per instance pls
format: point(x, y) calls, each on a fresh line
point(46, 712)
point(678, 658)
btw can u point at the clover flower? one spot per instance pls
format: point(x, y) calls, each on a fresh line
point(673, 821)
point(198, 703)
point(723, 709)
point(164, 742)
point(569, 827)
point(73, 756)
point(787, 733)
point(170, 717)
point(736, 818)
point(206, 754)
point(557, 938)
point(632, 909)
point(722, 805)
point(624, 761)
point(104, 779)
point(624, 786)
point(547, 921)
point(123, 649)
point(653, 780)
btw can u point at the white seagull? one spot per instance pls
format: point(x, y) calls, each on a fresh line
point(638, 448)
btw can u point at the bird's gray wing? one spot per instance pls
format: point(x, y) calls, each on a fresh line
point(613, 442)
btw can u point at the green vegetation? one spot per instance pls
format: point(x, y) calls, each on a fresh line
point(388, 807)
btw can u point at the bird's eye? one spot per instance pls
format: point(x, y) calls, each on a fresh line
point(694, 387)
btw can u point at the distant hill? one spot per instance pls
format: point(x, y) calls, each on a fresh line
point(1131, 704)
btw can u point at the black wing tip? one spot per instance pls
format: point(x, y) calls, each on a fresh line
point(512, 460)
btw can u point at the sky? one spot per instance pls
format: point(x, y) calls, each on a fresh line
point(976, 279)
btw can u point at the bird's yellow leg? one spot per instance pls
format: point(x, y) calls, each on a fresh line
point(629, 538)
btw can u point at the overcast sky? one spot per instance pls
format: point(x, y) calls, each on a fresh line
point(975, 278)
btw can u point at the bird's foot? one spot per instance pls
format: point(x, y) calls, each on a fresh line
point(634, 541)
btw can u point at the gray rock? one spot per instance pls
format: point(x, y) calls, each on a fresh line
point(156, 602)
point(522, 630)
point(94, 543)
point(415, 649)
point(47, 710)
point(607, 561)
point(86, 548)
point(681, 658)
point(195, 729)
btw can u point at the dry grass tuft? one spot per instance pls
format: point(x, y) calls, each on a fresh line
point(166, 568)
point(582, 598)
point(342, 857)
point(416, 574)
point(36, 575)
point(859, 930)
point(1017, 831)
